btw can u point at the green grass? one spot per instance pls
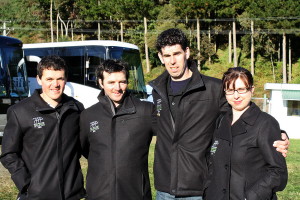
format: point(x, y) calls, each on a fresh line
point(292, 191)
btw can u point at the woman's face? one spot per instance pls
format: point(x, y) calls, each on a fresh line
point(241, 97)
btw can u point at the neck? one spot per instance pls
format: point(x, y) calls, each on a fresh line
point(50, 102)
point(236, 114)
point(186, 75)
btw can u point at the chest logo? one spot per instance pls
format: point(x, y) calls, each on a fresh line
point(214, 147)
point(38, 122)
point(94, 126)
point(158, 106)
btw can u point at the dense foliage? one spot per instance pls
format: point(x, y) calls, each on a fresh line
point(29, 20)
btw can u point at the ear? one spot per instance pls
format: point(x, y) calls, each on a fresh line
point(187, 53)
point(252, 89)
point(161, 58)
point(39, 80)
point(100, 83)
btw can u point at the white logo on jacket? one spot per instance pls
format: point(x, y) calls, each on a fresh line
point(94, 126)
point(214, 147)
point(38, 122)
point(158, 107)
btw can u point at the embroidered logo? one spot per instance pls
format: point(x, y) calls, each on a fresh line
point(38, 122)
point(158, 106)
point(94, 126)
point(214, 147)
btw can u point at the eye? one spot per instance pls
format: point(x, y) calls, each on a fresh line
point(242, 90)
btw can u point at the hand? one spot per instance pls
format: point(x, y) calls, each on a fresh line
point(282, 145)
point(22, 196)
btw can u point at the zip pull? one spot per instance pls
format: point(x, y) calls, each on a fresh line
point(57, 115)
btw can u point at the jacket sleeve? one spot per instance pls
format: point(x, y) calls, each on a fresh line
point(275, 178)
point(84, 140)
point(224, 106)
point(154, 120)
point(11, 152)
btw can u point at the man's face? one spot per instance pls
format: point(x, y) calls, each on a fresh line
point(174, 58)
point(114, 85)
point(53, 84)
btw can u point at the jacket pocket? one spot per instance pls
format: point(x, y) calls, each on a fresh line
point(192, 169)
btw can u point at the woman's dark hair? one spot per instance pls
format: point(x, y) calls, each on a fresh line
point(232, 74)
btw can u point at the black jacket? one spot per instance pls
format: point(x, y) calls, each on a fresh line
point(245, 163)
point(116, 145)
point(41, 148)
point(180, 166)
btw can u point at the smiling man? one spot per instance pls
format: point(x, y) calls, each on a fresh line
point(115, 135)
point(40, 146)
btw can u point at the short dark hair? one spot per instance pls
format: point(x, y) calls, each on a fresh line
point(52, 62)
point(232, 74)
point(171, 37)
point(111, 66)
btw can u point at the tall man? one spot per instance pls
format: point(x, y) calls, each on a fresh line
point(40, 146)
point(115, 136)
point(188, 104)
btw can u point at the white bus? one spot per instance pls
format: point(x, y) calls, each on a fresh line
point(82, 57)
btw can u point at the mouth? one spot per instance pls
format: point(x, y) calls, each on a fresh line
point(238, 102)
point(173, 69)
point(55, 90)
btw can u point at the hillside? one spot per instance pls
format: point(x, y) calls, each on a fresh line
point(263, 71)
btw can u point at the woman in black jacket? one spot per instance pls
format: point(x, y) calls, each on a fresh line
point(243, 162)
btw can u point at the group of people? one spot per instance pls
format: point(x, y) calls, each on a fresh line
point(212, 141)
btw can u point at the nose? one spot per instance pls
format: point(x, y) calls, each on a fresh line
point(117, 86)
point(236, 94)
point(55, 83)
point(172, 60)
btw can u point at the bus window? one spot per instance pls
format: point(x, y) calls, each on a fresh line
point(95, 56)
point(132, 58)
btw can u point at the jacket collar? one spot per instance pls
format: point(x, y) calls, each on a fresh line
point(249, 117)
point(251, 114)
point(160, 83)
point(127, 106)
point(42, 106)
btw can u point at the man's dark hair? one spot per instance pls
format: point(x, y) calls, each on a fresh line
point(232, 74)
point(111, 66)
point(52, 62)
point(171, 37)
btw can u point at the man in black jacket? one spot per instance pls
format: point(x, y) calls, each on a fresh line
point(115, 135)
point(40, 146)
point(187, 104)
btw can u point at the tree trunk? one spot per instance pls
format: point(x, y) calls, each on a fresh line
point(279, 52)
point(198, 44)
point(146, 46)
point(252, 47)
point(99, 33)
point(284, 57)
point(209, 41)
point(290, 61)
point(229, 47)
point(51, 22)
point(57, 29)
point(72, 33)
point(235, 61)
point(121, 31)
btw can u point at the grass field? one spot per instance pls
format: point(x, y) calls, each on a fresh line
point(291, 192)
